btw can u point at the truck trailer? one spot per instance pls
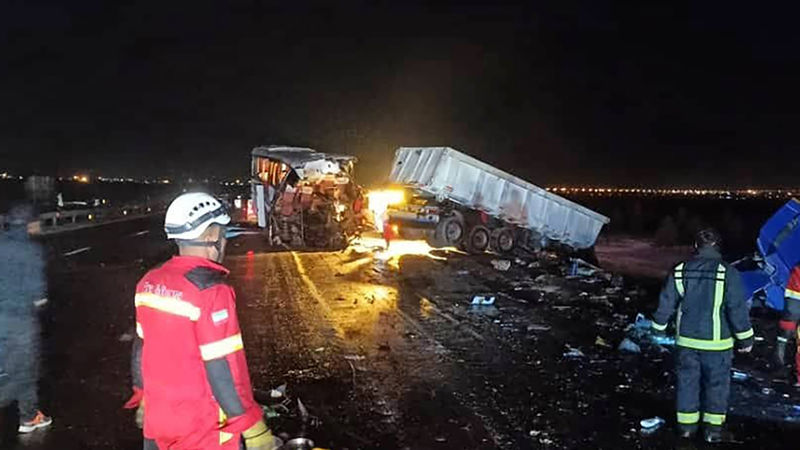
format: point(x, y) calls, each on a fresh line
point(452, 199)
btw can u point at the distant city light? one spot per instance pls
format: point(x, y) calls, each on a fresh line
point(683, 192)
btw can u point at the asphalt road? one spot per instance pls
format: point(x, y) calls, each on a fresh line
point(384, 352)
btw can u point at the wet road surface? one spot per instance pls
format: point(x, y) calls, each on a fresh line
point(385, 352)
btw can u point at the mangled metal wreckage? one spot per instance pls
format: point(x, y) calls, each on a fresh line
point(305, 198)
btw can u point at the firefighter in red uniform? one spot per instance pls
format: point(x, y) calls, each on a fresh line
point(190, 379)
point(788, 323)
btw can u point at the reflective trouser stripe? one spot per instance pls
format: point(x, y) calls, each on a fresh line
point(679, 279)
point(688, 418)
point(221, 347)
point(719, 294)
point(792, 294)
point(658, 327)
point(139, 331)
point(704, 344)
point(713, 419)
point(745, 335)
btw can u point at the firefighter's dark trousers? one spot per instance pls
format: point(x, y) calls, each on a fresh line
point(704, 380)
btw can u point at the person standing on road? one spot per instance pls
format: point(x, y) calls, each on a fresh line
point(22, 287)
point(711, 313)
point(788, 323)
point(190, 379)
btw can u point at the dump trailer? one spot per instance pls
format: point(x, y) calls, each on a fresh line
point(305, 198)
point(452, 199)
point(766, 273)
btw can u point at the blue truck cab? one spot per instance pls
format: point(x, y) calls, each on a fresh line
point(766, 274)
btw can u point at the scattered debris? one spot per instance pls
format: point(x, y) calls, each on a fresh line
point(319, 349)
point(600, 342)
point(354, 357)
point(483, 300)
point(650, 426)
point(538, 327)
point(573, 353)
point(501, 264)
point(581, 268)
point(628, 345)
point(278, 392)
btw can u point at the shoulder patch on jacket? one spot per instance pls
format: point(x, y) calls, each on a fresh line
point(205, 277)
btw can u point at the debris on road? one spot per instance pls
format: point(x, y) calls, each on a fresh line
point(738, 375)
point(600, 342)
point(483, 300)
point(650, 426)
point(573, 353)
point(501, 264)
point(628, 345)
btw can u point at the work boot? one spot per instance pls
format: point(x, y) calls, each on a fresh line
point(687, 431)
point(38, 421)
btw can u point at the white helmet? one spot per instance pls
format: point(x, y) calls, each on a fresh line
point(190, 214)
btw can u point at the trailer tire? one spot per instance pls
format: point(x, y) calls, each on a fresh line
point(450, 230)
point(477, 240)
point(434, 240)
point(503, 240)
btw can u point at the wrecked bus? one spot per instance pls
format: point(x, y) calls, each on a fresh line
point(305, 198)
point(452, 199)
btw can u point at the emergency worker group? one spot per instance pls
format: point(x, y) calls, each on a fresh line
point(191, 387)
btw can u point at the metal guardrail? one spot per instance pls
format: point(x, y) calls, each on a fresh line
point(70, 220)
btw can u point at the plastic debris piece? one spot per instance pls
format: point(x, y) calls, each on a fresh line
point(601, 342)
point(628, 345)
point(652, 422)
point(501, 264)
point(642, 323)
point(573, 353)
point(319, 349)
point(483, 300)
point(650, 426)
point(739, 375)
point(758, 338)
point(278, 392)
point(354, 357)
point(537, 327)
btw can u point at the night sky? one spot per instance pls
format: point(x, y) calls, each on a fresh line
point(591, 92)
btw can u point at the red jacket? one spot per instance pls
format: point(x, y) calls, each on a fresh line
point(793, 286)
point(186, 318)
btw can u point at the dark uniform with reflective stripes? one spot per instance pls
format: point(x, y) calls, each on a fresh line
point(711, 313)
